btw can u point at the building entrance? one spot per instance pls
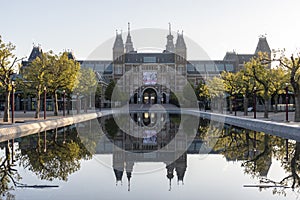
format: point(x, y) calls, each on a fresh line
point(149, 96)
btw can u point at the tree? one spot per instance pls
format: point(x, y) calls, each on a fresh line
point(35, 75)
point(232, 86)
point(53, 156)
point(109, 90)
point(259, 68)
point(189, 95)
point(292, 64)
point(216, 90)
point(279, 80)
point(61, 74)
point(247, 86)
point(202, 94)
point(98, 95)
point(7, 64)
point(87, 84)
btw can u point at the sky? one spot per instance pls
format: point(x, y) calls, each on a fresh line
point(217, 26)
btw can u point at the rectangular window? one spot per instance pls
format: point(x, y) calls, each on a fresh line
point(200, 67)
point(149, 59)
point(210, 67)
point(220, 67)
point(229, 67)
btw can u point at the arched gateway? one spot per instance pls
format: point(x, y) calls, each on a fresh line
point(149, 96)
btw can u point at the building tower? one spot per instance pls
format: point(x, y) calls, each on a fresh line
point(180, 47)
point(170, 43)
point(118, 48)
point(36, 52)
point(180, 60)
point(263, 45)
point(129, 44)
point(170, 174)
point(118, 56)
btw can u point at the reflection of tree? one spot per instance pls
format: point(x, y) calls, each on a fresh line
point(90, 133)
point(255, 150)
point(7, 173)
point(53, 156)
point(111, 127)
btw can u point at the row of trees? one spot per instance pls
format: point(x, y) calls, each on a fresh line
point(258, 77)
point(55, 73)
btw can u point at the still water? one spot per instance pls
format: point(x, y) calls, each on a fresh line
point(150, 156)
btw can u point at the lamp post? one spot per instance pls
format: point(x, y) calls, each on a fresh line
point(77, 103)
point(64, 102)
point(13, 104)
point(235, 105)
point(254, 103)
point(45, 101)
point(286, 102)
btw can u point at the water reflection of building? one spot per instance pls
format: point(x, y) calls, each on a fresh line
point(168, 145)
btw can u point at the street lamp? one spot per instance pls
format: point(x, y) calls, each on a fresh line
point(13, 103)
point(235, 104)
point(45, 101)
point(254, 103)
point(286, 102)
point(77, 103)
point(64, 103)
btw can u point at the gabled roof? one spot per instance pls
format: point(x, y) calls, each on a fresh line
point(244, 58)
point(262, 45)
point(36, 51)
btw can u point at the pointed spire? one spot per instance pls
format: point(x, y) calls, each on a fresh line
point(128, 28)
point(180, 43)
point(263, 45)
point(128, 178)
point(118, 41)
point(129, 44)
point(170, 43)
point(36, 52)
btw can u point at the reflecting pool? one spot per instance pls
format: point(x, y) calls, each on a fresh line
point(150, 156)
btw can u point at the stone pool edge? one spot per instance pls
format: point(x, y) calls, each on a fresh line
point(289, 131)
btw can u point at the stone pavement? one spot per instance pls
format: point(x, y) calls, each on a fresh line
point(20, 116)
point(275, 117)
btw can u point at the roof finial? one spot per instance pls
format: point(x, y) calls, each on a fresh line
point(128, 28)
point(169, 28)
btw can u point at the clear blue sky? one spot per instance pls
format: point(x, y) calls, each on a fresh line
point(217, 26)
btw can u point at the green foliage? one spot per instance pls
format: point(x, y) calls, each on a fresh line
point(259, 68)
point(87, 82)
point(61, 73)
point(215, 87)
point(35, 76)
point(189, 95)
point(109, 90)
point(292, 65)
point(7, 64)
point(111, 127)
point(59, 158)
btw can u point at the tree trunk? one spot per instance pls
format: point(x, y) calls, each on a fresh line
point(276, 103)
point(6, 106)
point(230, 105)
point(85, 103)
point(68, 105)
point(246, 103)
point(38, 104)
point(55, 104)
point(297, 105)
point(266, 105)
